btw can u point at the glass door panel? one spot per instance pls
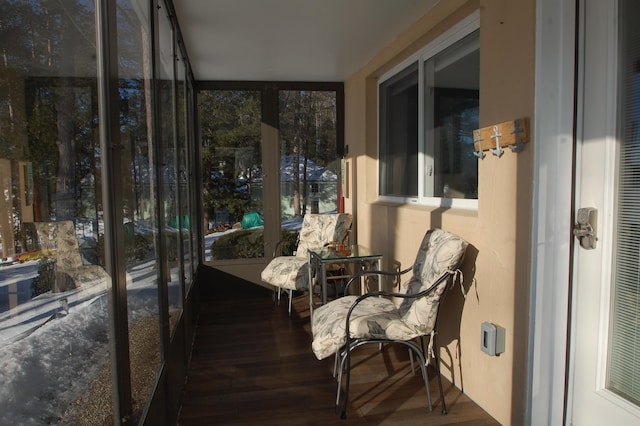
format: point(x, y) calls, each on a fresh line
point(605, 365)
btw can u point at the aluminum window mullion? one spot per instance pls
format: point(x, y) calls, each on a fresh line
point(111, 149)
point(426, 85)
point(422, 184)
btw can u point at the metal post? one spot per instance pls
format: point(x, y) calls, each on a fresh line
point(110, 148)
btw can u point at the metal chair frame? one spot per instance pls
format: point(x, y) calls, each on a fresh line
point(351, 344)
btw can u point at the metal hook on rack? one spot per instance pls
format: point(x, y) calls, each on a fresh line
point(517, 131)
point(478, 139)
point(498, 151)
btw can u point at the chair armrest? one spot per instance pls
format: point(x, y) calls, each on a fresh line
point(277, 253)
point(276, 247)
point(361, 274)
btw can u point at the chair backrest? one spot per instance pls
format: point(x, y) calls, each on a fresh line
point(440, 251)
point(61, 237)
point(320, 229)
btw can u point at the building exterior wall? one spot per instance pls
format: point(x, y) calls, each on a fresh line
point(497, 269)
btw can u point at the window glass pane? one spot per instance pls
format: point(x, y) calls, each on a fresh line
point(623, 373)
point(184, 173)
point(169, 172)
point(451, 114)
point(232, 168)
point(398, 134)
point(308, 155)
point(53, 306)
point(139, 200)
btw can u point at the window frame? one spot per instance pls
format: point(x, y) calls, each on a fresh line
point(462, 29)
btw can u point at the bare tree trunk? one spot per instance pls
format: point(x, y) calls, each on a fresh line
point(146, 65)
point(66, 180)
point(296, 175)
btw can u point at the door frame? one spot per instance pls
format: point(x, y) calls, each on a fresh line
point(557, 105)
point(552, 245)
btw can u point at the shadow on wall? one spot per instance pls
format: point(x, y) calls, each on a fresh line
point(450, 317)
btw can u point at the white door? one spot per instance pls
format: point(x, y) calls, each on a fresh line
point(604, 369)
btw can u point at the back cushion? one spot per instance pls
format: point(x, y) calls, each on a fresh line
point(61, 237)
point(440, 251)
point(320, 229)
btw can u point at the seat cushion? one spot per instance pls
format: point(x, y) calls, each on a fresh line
point(290, 272)
point(374, 317)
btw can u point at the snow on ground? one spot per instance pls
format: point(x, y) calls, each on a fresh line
point(52, 346)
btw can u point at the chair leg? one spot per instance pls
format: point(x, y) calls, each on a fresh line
point(413, 369)
point(437, 358)
point(347, 355)
point(341, 355)
point(290, 296)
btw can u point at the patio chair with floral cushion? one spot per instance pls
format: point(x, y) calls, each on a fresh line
point(291, 273)
point(346, 323)
point(59, 241)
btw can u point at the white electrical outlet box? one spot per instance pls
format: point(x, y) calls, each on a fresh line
point(491, 339)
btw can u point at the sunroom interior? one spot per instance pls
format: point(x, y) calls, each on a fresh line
point(116, 143)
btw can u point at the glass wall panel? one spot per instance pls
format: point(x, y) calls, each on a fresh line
point(309, 167)
point(53, 305)
point(305, 162)
point(232, 168)
point(169, 167)
point(54, 309)
point(139, 198)
point(184, 172)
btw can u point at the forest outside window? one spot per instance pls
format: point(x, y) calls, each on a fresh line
point(428, 109)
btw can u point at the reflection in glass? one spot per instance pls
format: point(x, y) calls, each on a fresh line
point(138, 199)
point(398, 148)
point(171, 178)
point(452, 112)
point(55, 361)
point(53, 307)
point(184, 172)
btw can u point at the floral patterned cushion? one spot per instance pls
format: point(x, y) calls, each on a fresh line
point(373, 317)
point(319, 230)
point(376, 317)
point(292, 272)
point(59, 238)
point(440, 251)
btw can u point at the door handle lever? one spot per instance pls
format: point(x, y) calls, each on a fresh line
point(585, 228)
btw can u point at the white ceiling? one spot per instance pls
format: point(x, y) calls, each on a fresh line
point(290, 40)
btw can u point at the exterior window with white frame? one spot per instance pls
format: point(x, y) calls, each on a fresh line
point(428, 110)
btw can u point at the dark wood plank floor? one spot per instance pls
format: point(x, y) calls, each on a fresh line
point(252, 364)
